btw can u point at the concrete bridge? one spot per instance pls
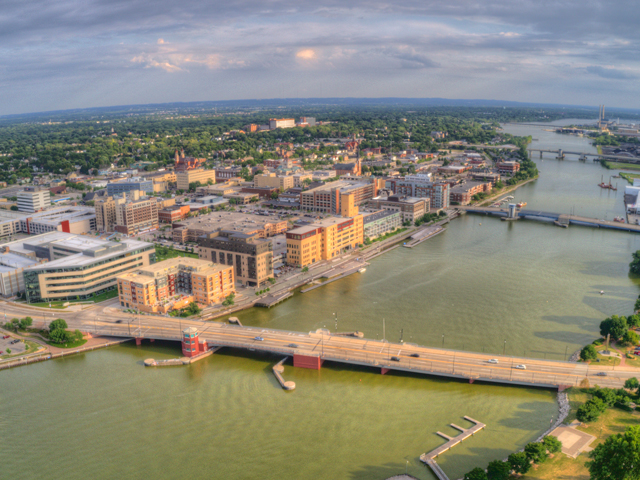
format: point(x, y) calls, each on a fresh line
point(559, 219)
point(311, 350)
point(583, 155)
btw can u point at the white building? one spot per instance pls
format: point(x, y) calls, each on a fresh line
point(33, 199)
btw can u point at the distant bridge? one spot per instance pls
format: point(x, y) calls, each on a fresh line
point(559, 219)
point(561, 153)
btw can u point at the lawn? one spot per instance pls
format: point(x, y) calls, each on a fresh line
point(96, 298)
point(30, 348)
point(72, 344)
point(165, 253)
point(629, 176)
point(622, 166)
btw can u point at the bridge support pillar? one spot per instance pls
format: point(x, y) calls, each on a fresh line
point(540, 154)
point(306, 361)
point(562, 388)
point(138, 341)
point(383, 370)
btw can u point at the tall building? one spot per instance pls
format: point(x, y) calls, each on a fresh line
point(326, 198)
point(33, 199)
point(184, 178)
point(250, 255)
point(307, 122)
point(131, 185)
point(105, 214)
point(175, 283)
point(436, 192)
point(135, 214)
point(78, 266)
point(323, 240)
point(281, 123)
point(183, 163)
point(411, 208)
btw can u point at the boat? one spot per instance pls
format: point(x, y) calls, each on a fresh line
point(619, 219)
point(607, 185)
point(362, 270)
point(521, 204)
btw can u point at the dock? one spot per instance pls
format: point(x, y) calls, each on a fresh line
point(429, 458)
point(271, 300)
point(422, 235)
point(337, 277)
point(278, 369)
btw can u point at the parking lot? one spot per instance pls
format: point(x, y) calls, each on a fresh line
point(5, 343)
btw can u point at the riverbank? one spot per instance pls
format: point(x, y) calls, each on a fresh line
point(487, 201)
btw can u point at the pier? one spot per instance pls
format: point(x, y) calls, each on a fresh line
point(429, 458)
point(278, 370)
point(271, 300)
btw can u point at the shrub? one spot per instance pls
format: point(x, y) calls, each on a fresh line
point(476, 474)
point(519, 462)
point(607, 395)
point(588, 353)
point(590, 410)
point(498, 470)
point(552, 444)
point(536, 452)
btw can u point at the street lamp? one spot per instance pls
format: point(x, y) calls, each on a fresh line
point(443, 340)
point(504, 347)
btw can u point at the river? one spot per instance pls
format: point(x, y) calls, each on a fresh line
point(524, 287)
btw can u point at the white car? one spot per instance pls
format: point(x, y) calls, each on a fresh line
point(521, 367)
point(493, 360)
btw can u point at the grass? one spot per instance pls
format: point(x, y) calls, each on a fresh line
point(629, 176)
point(386, 236)
point(621, 166)
point(73, 344)
point(611, 422)
point(165, 253)
point(30, 348)
point(96, 299)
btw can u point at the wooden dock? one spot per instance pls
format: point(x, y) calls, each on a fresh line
point(429, 458)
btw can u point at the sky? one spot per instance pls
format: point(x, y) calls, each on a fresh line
point(65, 54)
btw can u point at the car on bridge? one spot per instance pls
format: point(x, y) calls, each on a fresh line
point(493, 360)
point(415, 355)
point(293, 345)
point(521, 367)
point(601, 374)
point(395, 359)
point(260, 339)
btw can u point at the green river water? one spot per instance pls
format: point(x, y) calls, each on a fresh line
point(482, 282)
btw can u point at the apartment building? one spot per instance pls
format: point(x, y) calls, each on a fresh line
point(33, 199)
point(381, 222)
point(135, 214)
point(250, 255)
point(436, 192)
point(326, 198)
point(463, 194)
point(174, 283)
point(509, 168)
point(184, 178)
point(410, 208)
point(264, 226)
point(271, 180)
point(323, 240)
point(173, 214)
point(78, 266)
point(226, 173)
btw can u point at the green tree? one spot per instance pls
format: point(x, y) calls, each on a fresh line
point(616, 326)
point(476, 474)
point(58, 324)
point(634, 266)
point(618, 458)
point(552, 443)
point(607, 395)
point(305, 269)
point(498, 470)
point(59, 335)
point(588, 353)
point(229, 300)
point(78, 335)
point(519, 462)
point(590, 410)
point(26, 322)
point(636, 307)
point(633, 320)
point(631, 338)
point(631, 383)
point(535, 452)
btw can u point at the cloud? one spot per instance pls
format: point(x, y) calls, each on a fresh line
point(610, 72)
point(160, 41)
point(307, 54)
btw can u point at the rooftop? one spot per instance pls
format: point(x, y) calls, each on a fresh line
point(372, 217)
point(195, 265)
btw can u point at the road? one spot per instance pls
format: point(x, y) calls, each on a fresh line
point(367, 352)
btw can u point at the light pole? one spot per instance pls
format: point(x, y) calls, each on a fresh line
point(565, 353)
point(384, 336)
point(443, 340)
point(504, 347)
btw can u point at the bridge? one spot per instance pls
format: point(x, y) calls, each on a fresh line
point(559, 219)
point(311, 350)
point(561, 153)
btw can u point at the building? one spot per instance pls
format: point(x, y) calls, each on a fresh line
point(12, 265)
point(272, 180)
point(323, 240)
point(187, 177)
point(327, 197)
point(134, 184)
point(307, 122)
point(77, 220)
point(509, 168)
point(300, 178)
point(262, 192)
point(33, 199)
point(348, 168)
point(264, 226)
point(492, 178)
point(453, 169)
point(173, 214)
point(225, 173)
point(463, 194)
point(183, 163)
point(410, 208)
point(381, 222)
point(281, 123)
point(191, 344)
point(78, 266)
point(174, 284)
point(250, 255)
point(105, 214)
point(436, 192)
point(135, 214)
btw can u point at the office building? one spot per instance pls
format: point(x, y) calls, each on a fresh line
point(436, 192)
point(174, 284)
point(174, 213)
point(264, 226)
point(185, 178)
point(381, 222)
point(33, 199)
point(134, 184)
point(135, 214)
point(271, 180)
point(250, 255)
point(323, 240)
point(78, 266)
point(326, 198)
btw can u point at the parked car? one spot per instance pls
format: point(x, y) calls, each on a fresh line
point(493, 360)
point(14, 341)
point(521, 367)
point(4, 337)
point(260, 339)
point(395, 359)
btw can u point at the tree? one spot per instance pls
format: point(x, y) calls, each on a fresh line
point(59, 335)
point(633, 320)
point(588, 353)
point(618, 458)
point(615, 326)
point(229, 300)
point(78, 335)
point(634, 266)
point(607, 395)
point(590, 410)
point(498, 470)
point(535, 452)
point(476, 474)
point(58, 324)
point(631, 383)
point(26, 322)
point(636, 307)
point(519, 462)
point(631, 338)
point(552, 444)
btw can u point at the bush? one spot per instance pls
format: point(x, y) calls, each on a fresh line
point(630, 338)
point(536, 452)
point(588, 353)
point(632, 383)
point(552, 444)
point(498, 470)
point(519, 462)
point(590, 410)
point(607, 395)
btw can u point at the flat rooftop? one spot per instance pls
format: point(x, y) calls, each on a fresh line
point(148, 273)
point(372, 217)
